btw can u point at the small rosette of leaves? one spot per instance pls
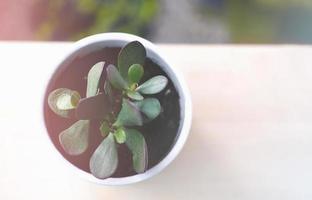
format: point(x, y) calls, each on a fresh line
point(130, 72)
point(132, 88)
point(135, 109)
point(117, 127)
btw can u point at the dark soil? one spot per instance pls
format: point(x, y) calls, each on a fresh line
point(160, 134)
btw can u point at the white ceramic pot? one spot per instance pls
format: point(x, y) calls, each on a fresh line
point(96, 42)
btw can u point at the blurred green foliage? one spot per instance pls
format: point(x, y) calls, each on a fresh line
point(263, 21)
point(74, 19)
point(246, 21)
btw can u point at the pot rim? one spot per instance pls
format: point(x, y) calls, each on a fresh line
point(175, 76)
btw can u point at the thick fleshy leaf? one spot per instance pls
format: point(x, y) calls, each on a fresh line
point(150, 107)
point(135, 73)
point(120, 136)
point(129, 115)
point(104, 161)
point(135, 95)
point(95, 107)
point(115, 78)
point(94, 76)
point(137, 145)
point(75, 139)
point(104, 128)
point(54, 101)
point(153, 85)
point(133, 53)
point(68, 100)
point(109, 91)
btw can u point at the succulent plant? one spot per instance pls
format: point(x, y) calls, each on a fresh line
point(122, 105)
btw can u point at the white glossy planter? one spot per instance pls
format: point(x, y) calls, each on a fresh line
point(96, 42)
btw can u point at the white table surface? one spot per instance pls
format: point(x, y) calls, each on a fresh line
point(251, 136)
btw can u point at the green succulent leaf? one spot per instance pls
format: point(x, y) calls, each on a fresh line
point(120, 136)
point(133, 53)
point(153, 85)
point(62, 100)
point(134, 95)
point(75, 139)
point(104, 128)
point(95, 107)
point(137, 145)
point(135, 73)
point(104, 161)
point(68, 100)
point(109, 91)
point(94, 76)
point(150, 107)
point(115, 78)
point(129, 115)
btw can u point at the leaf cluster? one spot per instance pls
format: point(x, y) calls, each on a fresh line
point(136, 109)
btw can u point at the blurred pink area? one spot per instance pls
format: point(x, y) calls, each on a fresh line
point(15, 20)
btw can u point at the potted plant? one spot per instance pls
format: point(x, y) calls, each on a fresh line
point(116, 110)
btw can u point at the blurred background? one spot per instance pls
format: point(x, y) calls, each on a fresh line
point(166, 21)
